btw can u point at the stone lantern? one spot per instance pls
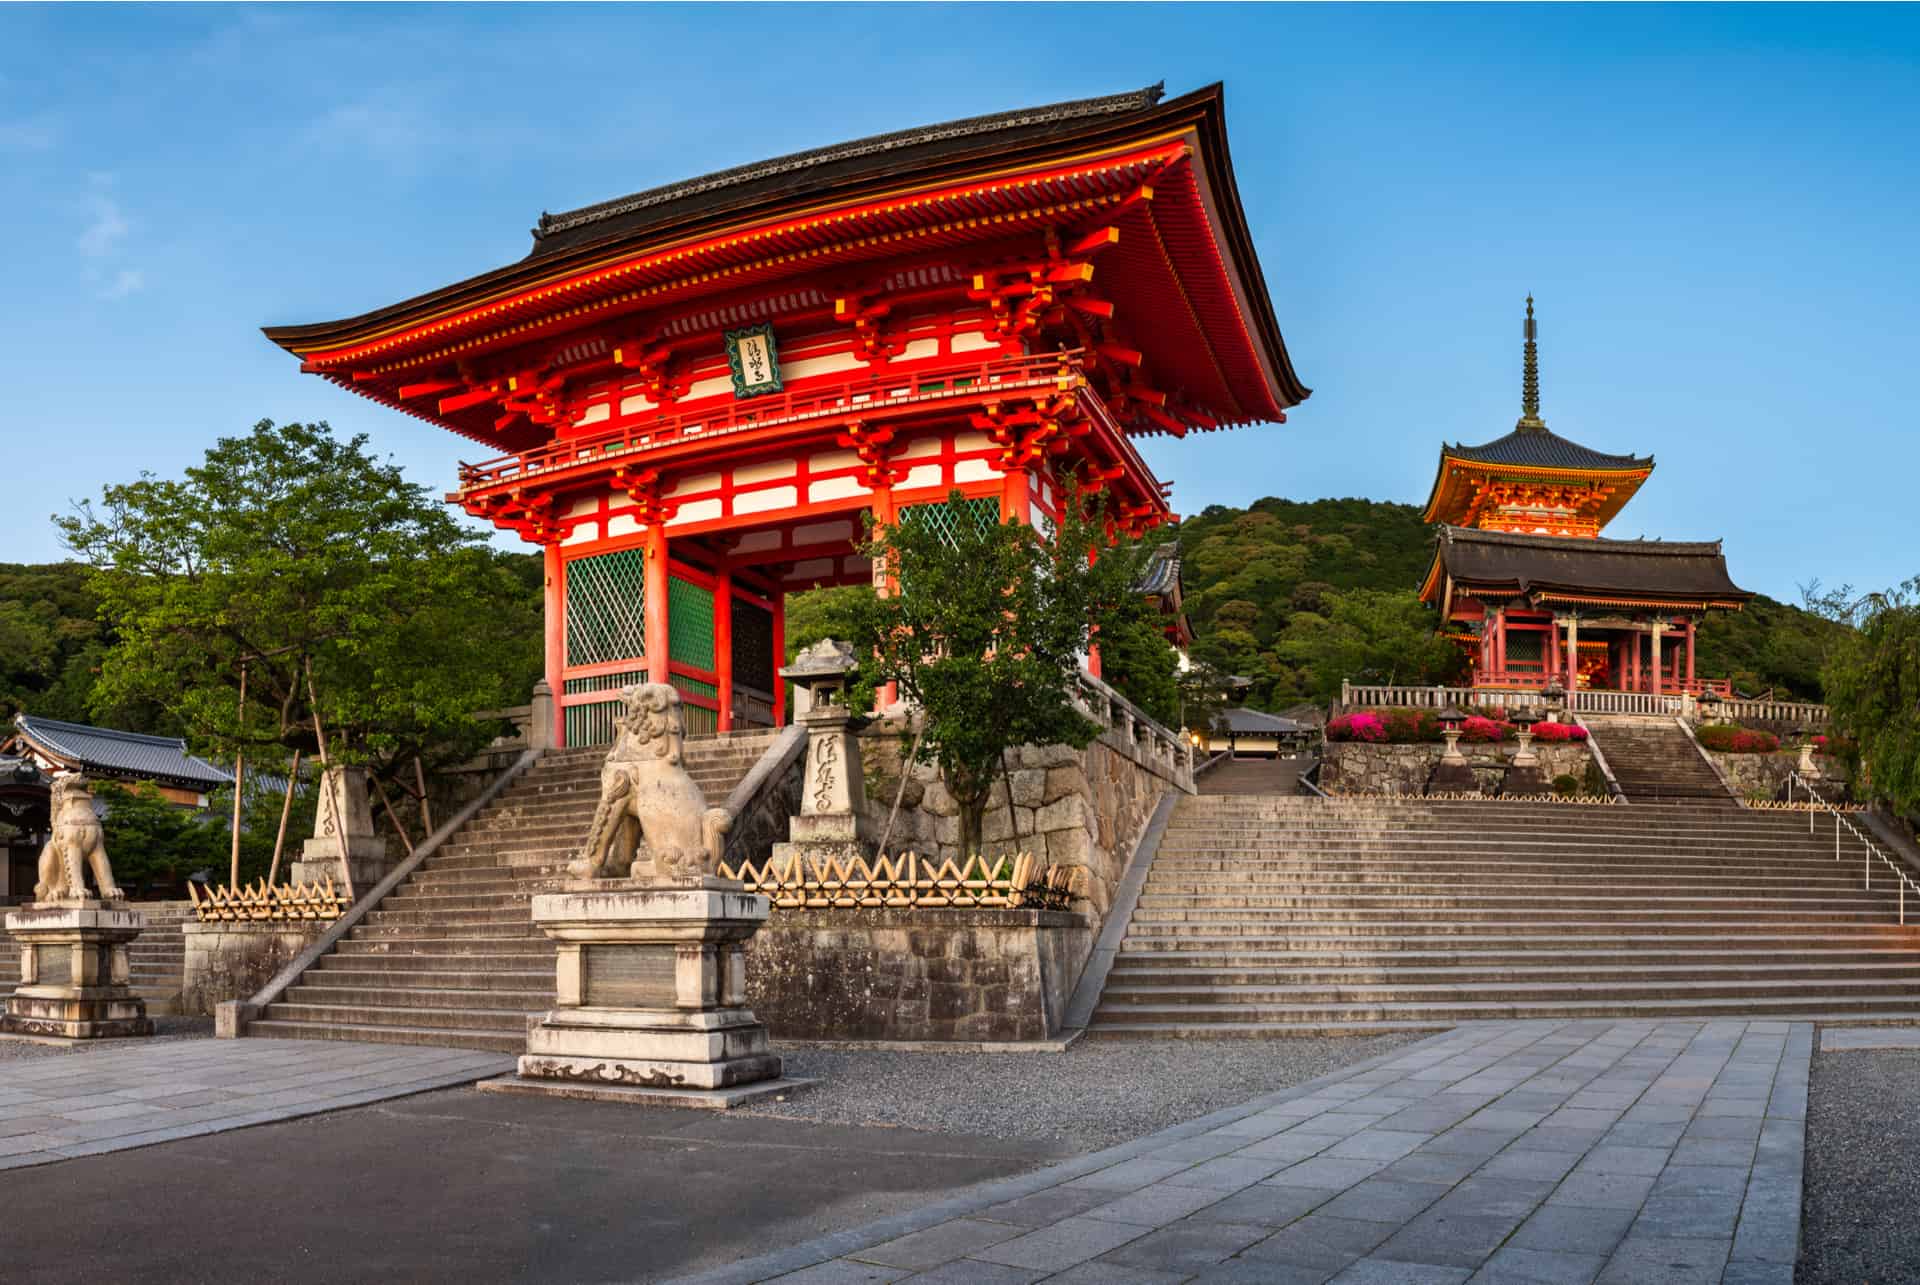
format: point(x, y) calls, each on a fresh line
point(1523, 774)
point(1709, 705)
point(834, 793)
point(1806, 767)
point(1453, 775)
point(1555, 697)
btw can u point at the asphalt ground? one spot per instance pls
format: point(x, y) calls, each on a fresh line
point(1861, 1211)
point(460, 1185)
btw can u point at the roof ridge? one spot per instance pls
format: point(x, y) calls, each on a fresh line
point(149, 738)
point(1638, 543)
point(1111, 104)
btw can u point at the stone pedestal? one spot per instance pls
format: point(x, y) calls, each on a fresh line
point(73, 971)
point(344, 846)
point(651, 998)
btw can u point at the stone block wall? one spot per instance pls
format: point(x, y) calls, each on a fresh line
point(1765, 775)
point(1068, 807)
point(1370, 767)
point(942, 975)
point(231, 961)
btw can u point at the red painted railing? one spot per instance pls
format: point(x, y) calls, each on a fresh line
point(882, 391)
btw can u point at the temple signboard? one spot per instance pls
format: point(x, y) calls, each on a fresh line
point(754, 359)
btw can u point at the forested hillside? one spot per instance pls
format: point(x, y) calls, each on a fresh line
point(1255, 578)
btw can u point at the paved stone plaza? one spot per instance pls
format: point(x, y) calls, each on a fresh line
point(132, 1095)
point(1517, 1151)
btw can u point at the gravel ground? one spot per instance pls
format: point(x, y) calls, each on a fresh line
point(1096, 1094)
point(15, 1049)
point(1861, 1214)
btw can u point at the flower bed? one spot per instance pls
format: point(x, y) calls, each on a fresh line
point(1421, 726)
point(1731, 738)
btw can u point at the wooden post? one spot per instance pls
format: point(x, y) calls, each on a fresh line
point(387, 807)
point(1573, 657)
point(556, 641)
point(723, 640)
point(239, 781)
point(1657, 627)
point(286, 810)
point(1690, 626)
point(1500, 642)
point(885, 514)
point(779, 604)
point(426, 808)
point(1553, 647)
point(659, 637)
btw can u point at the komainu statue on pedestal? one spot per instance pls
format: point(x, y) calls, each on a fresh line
point(649, 805)
point(77, 843)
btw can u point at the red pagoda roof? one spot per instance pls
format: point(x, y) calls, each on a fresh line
point(1156, 176)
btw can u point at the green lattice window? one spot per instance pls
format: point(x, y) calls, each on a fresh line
point(983, 513)
point(1525, 647)
point(690, 623)
point(595, 724)
point(753, 660)
point(606, 615)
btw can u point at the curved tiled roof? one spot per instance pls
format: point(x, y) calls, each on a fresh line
point(132, 756)
point(1678, 570)
point(1542, 448)
point(1161, 574)
point(875, 151)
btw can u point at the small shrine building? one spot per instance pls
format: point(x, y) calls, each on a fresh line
point(1524, 580)
point(690, 397)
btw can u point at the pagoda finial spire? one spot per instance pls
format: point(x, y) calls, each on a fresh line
point(1530, 380)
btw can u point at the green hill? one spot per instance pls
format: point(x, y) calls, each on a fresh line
point(1247, 572)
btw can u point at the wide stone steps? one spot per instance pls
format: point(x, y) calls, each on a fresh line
point(451, 957)
point(1655, 762)
point(1277, 916)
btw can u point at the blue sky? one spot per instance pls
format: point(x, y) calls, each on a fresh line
point(1715, 207)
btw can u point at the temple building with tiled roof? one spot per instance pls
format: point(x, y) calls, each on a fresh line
point(1523, 578)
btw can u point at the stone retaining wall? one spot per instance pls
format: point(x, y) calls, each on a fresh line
point(1372, 767)
point(1753, 775)
point(942, 975)
point(1069, 807)
point(233, 960)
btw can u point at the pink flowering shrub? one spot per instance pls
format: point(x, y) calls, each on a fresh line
point(1363, 725)
point(1731, 738)
point(1559, 732)
point(1482, 730)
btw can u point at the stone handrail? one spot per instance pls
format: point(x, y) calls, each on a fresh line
point(1587, 700)
point(1155, 746)
point(230, 1018)
point(1614, 791)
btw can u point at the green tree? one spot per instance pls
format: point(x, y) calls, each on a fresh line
point(1368, 634)
point(986, 632)
point(1137, 661)
point(1872, 681)
point(316, 565)
point(154, 843)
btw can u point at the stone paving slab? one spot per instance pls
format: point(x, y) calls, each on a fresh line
point(140, 1093)
point(1577, 1151)
point(1844, 1039)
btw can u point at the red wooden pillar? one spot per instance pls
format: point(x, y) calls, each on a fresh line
point(779, 604)
point(723, 640)
point(885, 514)
point(1093, 648)
point(1016, 497)
point(659, 639)
point(1690, 624)
point(1500, 642)
point(1553, 648)
point(556, 637)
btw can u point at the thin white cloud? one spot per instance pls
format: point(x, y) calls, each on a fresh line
point(106, 229)
point(102, 243)
point(125, 282)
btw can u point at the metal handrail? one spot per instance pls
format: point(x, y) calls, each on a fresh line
point(1906, 879)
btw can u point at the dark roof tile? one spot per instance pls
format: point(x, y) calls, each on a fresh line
point(1658, 568)
point(124, 755)
point(1540, 448)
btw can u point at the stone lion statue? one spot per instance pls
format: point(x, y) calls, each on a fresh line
point(649, 805)
point(76, 845)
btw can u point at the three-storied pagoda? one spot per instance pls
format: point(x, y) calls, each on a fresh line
point(1523, 578)
point(693, 393)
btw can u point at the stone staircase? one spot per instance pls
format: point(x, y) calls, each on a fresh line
point(451, 956)
point(1654, 761)
point(1253, 776)
point(157, 957)
point(1283, 916)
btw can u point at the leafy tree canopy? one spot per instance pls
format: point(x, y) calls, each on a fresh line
point(986, 631)
point(296, 552)
point(1872, 677)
